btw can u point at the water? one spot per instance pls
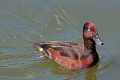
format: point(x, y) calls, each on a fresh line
point(23, 22)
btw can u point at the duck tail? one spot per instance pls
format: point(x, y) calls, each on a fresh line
point(42, 48)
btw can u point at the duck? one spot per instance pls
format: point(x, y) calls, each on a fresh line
point(73, 55)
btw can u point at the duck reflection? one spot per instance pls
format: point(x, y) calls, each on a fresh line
point(90, 73)
point(87, 74)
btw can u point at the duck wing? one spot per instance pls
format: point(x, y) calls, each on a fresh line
point(62, 48)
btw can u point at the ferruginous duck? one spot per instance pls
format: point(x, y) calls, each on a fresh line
point(72, 55)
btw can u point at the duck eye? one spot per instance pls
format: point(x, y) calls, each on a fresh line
point(88, 30)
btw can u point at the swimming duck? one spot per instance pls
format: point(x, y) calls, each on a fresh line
point(72, 55)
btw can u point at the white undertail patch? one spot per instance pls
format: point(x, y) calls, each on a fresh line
point(40, 49)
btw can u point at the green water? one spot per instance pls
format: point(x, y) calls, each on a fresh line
point(23, 22)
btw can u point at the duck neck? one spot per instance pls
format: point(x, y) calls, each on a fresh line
point(89, 44)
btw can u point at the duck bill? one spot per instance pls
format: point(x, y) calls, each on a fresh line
point(98, 40)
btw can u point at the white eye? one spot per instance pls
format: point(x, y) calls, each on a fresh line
point(88, 30)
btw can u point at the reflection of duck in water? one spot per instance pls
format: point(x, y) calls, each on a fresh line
point(72, 55)
point(91, 73)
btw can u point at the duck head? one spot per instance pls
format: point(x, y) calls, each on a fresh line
point(90, 35)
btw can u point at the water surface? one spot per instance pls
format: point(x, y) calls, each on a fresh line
point(23, 22)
